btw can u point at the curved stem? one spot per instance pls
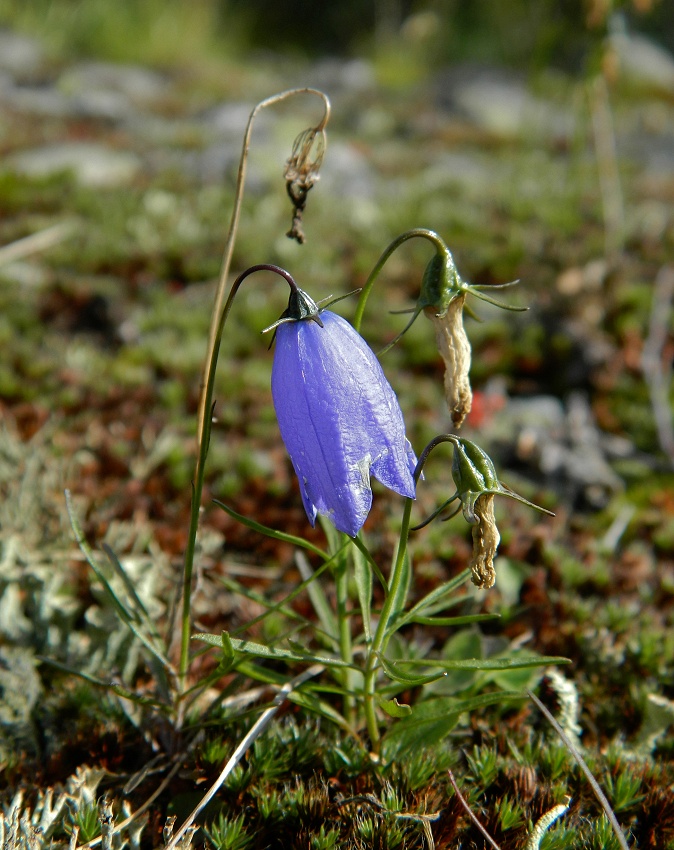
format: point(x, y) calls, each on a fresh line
point(434, 443)
point(418, 231)
point(205, 402)
point(218, 319)
point(382, 635)
point(204, 437)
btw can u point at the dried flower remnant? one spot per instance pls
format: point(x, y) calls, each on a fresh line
point(301, 172)
point(442, 299)
point(476, 484)
point(486, 538)
point(338, 415)
point(454, 348)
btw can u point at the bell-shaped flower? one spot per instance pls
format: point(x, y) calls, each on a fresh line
point(339, 417)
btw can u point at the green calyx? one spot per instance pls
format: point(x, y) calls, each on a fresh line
point(440, 284)
point(474, 475)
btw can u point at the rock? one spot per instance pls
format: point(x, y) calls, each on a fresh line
point(43, 101)
point(229, 121)
point(21, 56)
point(558, 444)
point(129, 84)
point(346, 173)
point(638, 61)
point(500, 104)
point(92, 164)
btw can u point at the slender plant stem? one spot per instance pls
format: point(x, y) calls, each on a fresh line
point(382, 635)
point(362, 300)
point(341, 574)
point(221, 310)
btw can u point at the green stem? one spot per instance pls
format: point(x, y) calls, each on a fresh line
point(219, 317)
point(418, 231)
point(382, 635)
point(341, 574)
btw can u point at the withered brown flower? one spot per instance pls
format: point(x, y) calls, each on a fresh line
point(485, 542)
point(301, 172)
point(454, 348)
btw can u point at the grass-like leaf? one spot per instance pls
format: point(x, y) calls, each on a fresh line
point(125, 615)
point(249, 647)
point(120, 690)
point(272, 532)
point(455, 621)
point(409, 679)
point(437, 600)
point(362, 575)
point(486, 663)
point(318, 598)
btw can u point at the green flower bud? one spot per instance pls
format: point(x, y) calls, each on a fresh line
point(476, 483)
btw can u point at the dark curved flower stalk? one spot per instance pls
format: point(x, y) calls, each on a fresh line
point(442, 300)
point(476, 484)
point(221, 310)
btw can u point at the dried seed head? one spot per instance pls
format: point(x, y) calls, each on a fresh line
point(454, 349)
point(301, 172)
point(485, 542)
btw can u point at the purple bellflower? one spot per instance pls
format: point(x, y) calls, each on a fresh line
point(339, 417)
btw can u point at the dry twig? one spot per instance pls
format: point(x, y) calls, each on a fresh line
point(599, 794)
point(469, 811)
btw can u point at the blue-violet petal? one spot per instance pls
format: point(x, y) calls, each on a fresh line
point(340, 420)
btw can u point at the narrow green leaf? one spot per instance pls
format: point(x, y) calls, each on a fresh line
point(125, 615)
point(432, 720)
point(120, 690)
point(394, 708)
point(454, 621)
point(258, 673)
point(488, 663)
point(313, 704)
point(409, 679)
point(140, 608)
point(437, 600)
point(400, 599)
point(227, 649)
point(362, 548)
point(248, 647)
point(318, 598)
point(272, 532)
point(363, 578)
point(281, 606)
